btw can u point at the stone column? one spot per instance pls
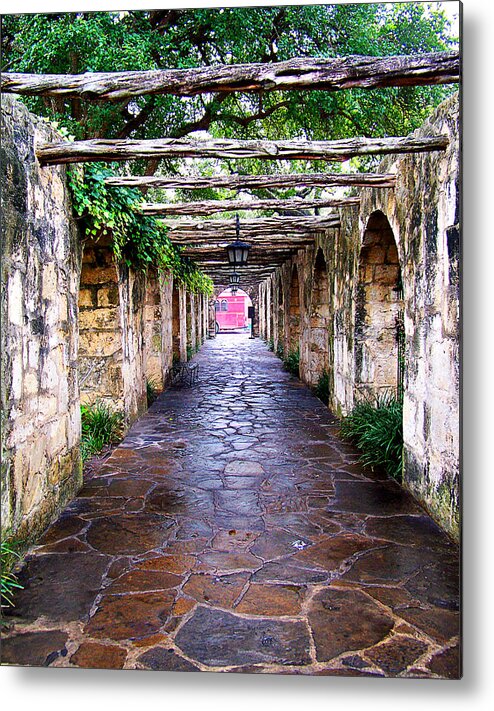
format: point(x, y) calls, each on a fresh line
point(182, 302)
point(268, 310)
point(193, 323)
point(166, 292)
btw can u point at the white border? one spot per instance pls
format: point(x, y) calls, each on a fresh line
point(83, 690)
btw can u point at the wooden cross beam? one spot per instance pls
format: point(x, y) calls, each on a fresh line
point(299, 74)
point(190, 230)
point(278, 180)
point(208, 207)
point(101, 149)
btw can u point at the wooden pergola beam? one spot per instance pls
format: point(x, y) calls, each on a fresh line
point(298, 74)
point(209, 207)
point(101, 149)
point(278, 180)
point(263, 227)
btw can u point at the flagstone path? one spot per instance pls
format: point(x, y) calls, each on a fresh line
point(233, 531)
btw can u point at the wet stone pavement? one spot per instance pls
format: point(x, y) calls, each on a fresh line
point(233, 531)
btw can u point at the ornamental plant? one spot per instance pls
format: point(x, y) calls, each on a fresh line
point(9, 583)
point(375, 426)
point(138, 240)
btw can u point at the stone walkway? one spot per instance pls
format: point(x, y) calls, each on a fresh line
point(233, 531)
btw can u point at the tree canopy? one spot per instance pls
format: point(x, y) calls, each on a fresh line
point(180, 38)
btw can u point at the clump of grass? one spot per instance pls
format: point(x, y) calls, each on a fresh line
point(292, 362)
point(190, 352)
point(271, 344)
point(151, 391)
point(280, 351)
point(376, 428)
point(321, 390)
point(100, 426)
point(9, 581)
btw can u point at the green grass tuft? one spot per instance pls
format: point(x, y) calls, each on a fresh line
point(376, 428)
point(9, 582)
point(100, 426)
point(292, 362)
point(322, 388)
point(151, 391)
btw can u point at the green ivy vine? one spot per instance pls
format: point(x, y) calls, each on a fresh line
point(138, 240)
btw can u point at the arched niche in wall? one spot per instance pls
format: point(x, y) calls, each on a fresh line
point(294, 310)
point(379, 335)
point(319, 320)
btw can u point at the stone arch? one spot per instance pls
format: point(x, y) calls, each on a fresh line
point(379, 334)
point(294, 310)
point(319, 320)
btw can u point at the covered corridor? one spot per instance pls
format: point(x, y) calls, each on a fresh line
point(232, 530)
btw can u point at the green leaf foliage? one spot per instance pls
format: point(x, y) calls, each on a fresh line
point(376, 428)
point(138, 240)
point(9, 583)
point(100, 426)
point(291, 361)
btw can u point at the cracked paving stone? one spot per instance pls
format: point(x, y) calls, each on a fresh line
point(33, 649)
point(121, 617)
point(93, 655)
point(397, 654)
point(163, 659)
point(221, 591)
point(233, 540)
point(178, 564)
point(446, 663)
point(65, 527)
point(274, 544)
point(331, 553)
point(272, 600)
point(225, 561)
point(144, 580)
point(60, 586)
point(218, 638)
point(441, 625)
point(286, 572)
point(391, 563)
point(244, 468)
point(344, 621)
point(129, 533)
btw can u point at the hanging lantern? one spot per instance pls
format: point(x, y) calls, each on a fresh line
point(238, 251)
point(234, 278)
point(233, 289)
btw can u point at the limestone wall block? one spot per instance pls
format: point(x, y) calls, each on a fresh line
point(100, 275)
point(108, 296)
point(100, 319)
point(86, 298)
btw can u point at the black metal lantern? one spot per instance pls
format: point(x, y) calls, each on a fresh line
point(235, 278)
point(238, 252)
point(233, 289)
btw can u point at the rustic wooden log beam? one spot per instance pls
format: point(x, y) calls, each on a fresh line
point(279, 180)
point(209, 207)
point(299, 74)
point(101, 149)
point(263, 227)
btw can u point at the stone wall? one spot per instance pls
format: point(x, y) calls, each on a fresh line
point(394, 261)
point(41, 468)
point(424, 214)
point(158, 328)
point(111, 351)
